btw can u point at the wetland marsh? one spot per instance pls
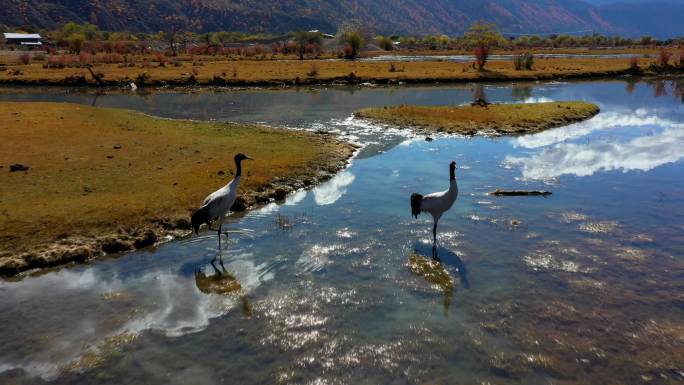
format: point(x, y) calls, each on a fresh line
point(334, 285)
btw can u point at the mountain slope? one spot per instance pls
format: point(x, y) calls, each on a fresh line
point(662, 19)
point(381, 16)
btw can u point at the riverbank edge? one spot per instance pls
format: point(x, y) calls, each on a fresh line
point(350, 79)
point(81, 249)
point(574, 112)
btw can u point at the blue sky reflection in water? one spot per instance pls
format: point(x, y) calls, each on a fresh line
point(584, 286)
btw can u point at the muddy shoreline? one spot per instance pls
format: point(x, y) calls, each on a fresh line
point(81, 249)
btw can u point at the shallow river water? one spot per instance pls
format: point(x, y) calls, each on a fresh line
point(335, 285)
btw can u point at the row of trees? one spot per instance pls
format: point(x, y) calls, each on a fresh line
point(481, 38)
point(88, 38)
point(443, 42)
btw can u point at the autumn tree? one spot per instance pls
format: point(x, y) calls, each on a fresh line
point(385, 43)
point(483, 37)
point(354, 42)
point(303, 39)
point(171, 33)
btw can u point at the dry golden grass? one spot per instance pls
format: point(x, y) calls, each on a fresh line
point(79, 184)
point(468, 120)
point(281, 71)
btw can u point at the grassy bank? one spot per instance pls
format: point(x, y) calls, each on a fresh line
point(108, 180)
point(469, 120)
point(209, 71)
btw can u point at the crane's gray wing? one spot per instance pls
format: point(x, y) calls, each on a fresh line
point(213, 205)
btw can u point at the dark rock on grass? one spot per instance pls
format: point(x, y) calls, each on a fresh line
point(148, 238)
point(262, 198)
point(12, 266)
point(183, 224)
point(112, 245)
point(19, 167)
point(117, 147)
point(280, 193)
point(239, 205)
point(78, 254)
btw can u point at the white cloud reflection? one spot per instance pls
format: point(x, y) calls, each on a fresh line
point(563, 154)
point(329, 192)
point(643, 153)
point(51, 321)
point(296, 198)
point(603, 121)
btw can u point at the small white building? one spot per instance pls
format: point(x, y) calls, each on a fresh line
point(25, 39)
point(325, 35)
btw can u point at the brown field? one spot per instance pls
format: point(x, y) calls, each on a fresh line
point(468, 120)
point(103, 178)
point(216, 71)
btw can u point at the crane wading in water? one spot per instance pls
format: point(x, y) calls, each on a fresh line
point(217, 204)
point(437, 203)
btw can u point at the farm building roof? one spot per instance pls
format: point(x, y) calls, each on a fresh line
point(22, 36)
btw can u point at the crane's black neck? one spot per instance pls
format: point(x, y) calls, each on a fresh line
point(238, 164)
point(452, 173)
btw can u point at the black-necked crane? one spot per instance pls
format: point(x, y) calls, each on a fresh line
point(436, 204)
point(217, 204)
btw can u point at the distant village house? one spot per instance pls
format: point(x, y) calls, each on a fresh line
point(325, 35)
point(23, 39)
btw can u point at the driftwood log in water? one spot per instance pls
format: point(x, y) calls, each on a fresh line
point(516, 193)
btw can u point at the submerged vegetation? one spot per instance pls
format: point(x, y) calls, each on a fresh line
point(469, 120)
point(98, 180)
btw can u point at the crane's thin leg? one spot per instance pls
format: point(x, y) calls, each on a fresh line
point(219, 234)
point(221, 259)
point(216, 270)
point(434, 234)
point(219, 237)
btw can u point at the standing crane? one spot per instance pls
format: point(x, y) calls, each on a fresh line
point(217, 204)
point(436, 204)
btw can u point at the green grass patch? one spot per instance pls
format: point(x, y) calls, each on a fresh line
point(509, 119)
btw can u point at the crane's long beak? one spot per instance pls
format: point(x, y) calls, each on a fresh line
point(248, 158)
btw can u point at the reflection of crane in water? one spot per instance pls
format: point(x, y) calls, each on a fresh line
point(222, 283)
point(217, 204)
point(437, 203)
point(434, 271)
